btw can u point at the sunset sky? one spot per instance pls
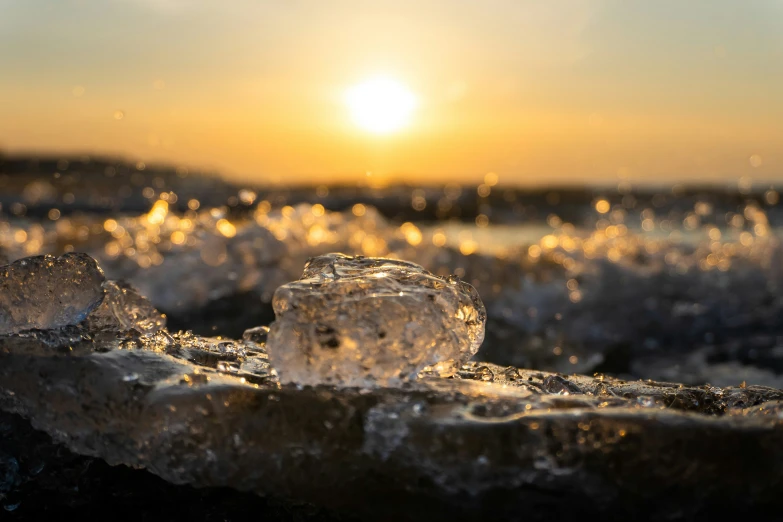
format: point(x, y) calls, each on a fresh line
point(539, 92)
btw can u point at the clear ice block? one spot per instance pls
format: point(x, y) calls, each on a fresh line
point(357, 321)
point(47, 292)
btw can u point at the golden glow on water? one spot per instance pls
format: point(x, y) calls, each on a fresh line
point(412, 233)
point(646, 239)
point(438, 238)
point(358, 210)
point(158, 212)
point(226, 228)
point(177, 237)
point(468, 247)
point(602, 206)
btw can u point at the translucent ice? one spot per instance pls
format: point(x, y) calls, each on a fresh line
point(208, 258)
point(356, 321)
point(257, 335)
point(47, 292)
point(124, 309)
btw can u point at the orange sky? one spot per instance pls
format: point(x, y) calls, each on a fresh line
point(539, 92)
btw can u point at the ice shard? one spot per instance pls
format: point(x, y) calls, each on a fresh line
point(123, 309)
point(358, 321)
point(47, 292)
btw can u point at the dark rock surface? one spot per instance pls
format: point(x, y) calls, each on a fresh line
point(40, 479)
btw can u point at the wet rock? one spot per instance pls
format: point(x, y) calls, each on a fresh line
point(47, 292)
point(45, 478)
point(9, 473)
point(356, 321)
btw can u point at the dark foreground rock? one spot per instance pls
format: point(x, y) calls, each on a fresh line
point(40, 479)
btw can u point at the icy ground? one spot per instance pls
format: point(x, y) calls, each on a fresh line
point(691, 295)
point(109, 380)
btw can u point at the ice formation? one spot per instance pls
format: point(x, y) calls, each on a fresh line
point(184, 263)
point(663, 286)
point(357, 321)
point(47, 292)
point(257, 335)
point(123, 309)
point(209, 411)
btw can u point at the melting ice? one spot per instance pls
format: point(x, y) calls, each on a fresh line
point(46, 292)
point(358, 321)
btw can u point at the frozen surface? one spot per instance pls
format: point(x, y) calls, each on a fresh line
point(183, 263)
point(257, 334)
point(668, 286)
point(486, 441)
point(664, 284)
point(358, 321)
point(47, 292)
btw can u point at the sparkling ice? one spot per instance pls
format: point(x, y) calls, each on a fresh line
point(357, 321)
point(46, 292)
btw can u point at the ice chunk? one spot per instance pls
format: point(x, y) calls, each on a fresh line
point(257, 335)
point(47, 292)
point(124, 309)
point(357, 321)
point(209, 260)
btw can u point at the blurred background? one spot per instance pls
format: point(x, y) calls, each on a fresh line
point(605, 173)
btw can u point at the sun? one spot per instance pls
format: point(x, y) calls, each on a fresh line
point(381, 105)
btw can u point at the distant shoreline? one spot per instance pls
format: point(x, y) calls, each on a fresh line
point(49, 160)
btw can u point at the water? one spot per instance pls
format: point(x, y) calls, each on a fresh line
point(498, 240)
